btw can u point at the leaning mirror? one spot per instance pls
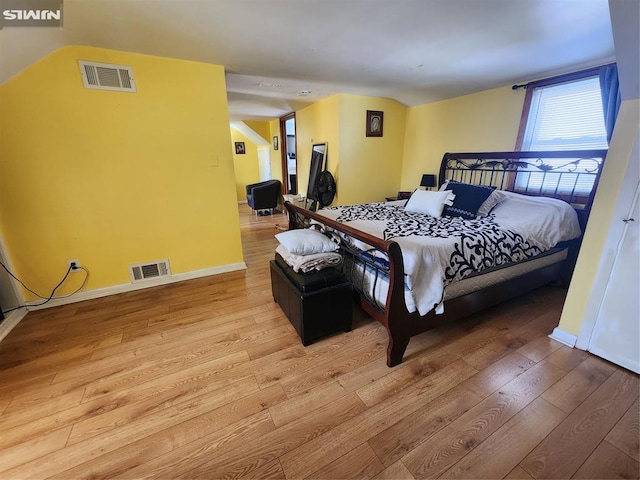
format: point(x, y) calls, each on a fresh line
point(318, 159)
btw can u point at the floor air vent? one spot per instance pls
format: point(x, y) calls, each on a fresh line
point(147, 271)
point(104, 76)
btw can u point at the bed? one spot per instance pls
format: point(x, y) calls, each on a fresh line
point(415, 264)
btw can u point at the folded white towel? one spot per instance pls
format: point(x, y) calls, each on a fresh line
point(306, 263)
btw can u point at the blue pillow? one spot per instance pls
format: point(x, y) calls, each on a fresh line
point(468, 199)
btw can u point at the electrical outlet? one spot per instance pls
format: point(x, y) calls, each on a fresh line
point(74, 263)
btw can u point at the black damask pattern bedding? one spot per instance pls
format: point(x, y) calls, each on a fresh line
point(476, 244)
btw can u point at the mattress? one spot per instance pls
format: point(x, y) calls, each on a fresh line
point(480, 281)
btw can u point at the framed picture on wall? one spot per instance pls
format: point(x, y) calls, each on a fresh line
point(275, 143)
point(240, 148)
point(374, 123)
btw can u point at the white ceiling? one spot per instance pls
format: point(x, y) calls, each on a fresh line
point(414, 51)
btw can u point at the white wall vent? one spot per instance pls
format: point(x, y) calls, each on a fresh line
point(147, 271)
point(104, 76)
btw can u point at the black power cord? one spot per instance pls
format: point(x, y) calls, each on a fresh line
point(51, 296)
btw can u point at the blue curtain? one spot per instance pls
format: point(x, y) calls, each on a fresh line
point(611, 99)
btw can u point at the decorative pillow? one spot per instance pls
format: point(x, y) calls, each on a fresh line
point(429, 203)
point(306, 242)
point(468, 199)
point(495, 198)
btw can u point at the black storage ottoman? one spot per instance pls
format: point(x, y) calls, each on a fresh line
point(317, 303)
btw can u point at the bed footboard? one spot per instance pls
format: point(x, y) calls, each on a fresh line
point(383, 264)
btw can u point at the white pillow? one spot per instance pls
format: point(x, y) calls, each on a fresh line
point(546, 221)
point(495, 198)
point(429, 203)
point(306, 242)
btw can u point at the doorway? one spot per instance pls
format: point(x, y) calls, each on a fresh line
point(288, 154)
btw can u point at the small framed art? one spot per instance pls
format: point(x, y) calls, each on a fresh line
point(374, 123)
point(240, 148)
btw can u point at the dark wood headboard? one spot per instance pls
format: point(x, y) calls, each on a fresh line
point(570, 175)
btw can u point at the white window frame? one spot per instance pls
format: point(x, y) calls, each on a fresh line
point(559, 184)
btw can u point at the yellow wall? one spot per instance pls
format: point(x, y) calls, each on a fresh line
point(370, 167)
point(246, 166)
point(115, 178)
point(482, 122)
point(318, 123)
point(275, 155)
point(261, 128)
point(366, 169)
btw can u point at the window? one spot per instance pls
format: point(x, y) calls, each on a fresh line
point(564, 113)
point(567, 116)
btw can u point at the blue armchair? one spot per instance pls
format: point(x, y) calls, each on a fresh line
point(264, 195)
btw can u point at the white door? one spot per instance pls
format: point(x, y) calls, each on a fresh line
point(264, 163)
point(616, 334)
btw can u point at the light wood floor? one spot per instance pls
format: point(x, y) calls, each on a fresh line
point(207, 379)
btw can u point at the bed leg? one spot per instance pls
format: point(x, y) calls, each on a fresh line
point(395, 350)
